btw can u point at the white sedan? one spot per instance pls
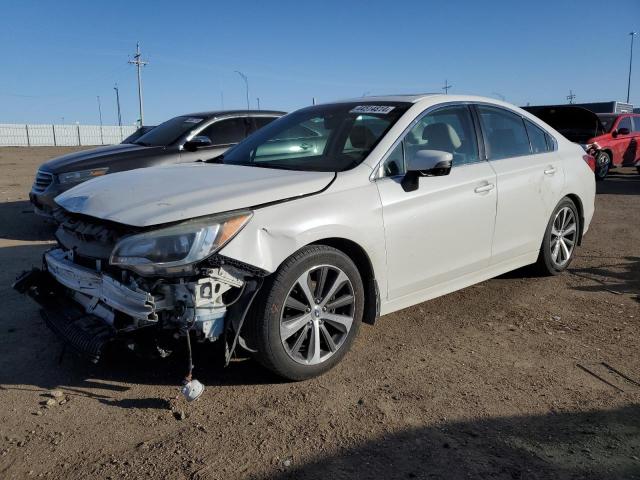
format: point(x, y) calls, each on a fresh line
point(328, 217)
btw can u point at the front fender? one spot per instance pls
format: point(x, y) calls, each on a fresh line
point(277, 231)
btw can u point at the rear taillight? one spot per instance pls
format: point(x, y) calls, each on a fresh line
point(591, 161)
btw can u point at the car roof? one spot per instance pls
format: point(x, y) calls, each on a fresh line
point(401, 97)
point(431, 98)
point(225, 113)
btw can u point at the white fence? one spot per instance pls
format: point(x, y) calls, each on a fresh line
point(23, 135)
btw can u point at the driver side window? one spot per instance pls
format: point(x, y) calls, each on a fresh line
point(448, 129)
point(227, 132)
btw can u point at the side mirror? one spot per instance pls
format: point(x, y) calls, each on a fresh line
point(197, 142)
point(622, 131)
point(426, 163)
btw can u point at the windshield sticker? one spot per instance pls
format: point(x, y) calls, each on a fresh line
point(380, 109)
point(193, 120)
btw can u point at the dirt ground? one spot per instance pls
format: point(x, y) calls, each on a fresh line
point(489, 382)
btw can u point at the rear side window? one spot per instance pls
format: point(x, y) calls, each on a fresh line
point(536, 138)
point(636, 124)
point(505, 133)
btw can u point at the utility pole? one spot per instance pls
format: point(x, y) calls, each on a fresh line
point(313, 100)
point(258, 99)
point(631, 34)
point(100, 114)
point(221, 100)
point(446, 87)
point(118, 104)
point(246, 84)
point(571, 97)
point(138, 62)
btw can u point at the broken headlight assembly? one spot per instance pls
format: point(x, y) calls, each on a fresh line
point(173, 250)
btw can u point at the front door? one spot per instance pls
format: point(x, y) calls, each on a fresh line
point(443, 230)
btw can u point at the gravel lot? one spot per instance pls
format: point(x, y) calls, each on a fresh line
point(489, 382)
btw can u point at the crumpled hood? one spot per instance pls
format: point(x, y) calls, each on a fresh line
point(157, 195)
point(98, 157)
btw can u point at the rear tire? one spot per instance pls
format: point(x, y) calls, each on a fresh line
point(302, 332)
point(560, 239)
point(603, 164)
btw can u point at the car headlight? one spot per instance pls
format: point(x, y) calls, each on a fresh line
point(81, 175)
point(174, 250)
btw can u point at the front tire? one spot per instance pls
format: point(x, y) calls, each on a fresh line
point(560, 239)
point(603, 164)
point(308, 314)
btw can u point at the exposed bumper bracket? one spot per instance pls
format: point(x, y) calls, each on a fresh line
point(86, 334)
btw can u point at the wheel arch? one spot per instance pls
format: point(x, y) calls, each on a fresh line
point(578, 203)
point(360, 257)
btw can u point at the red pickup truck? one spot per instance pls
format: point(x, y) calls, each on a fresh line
point(612, 138)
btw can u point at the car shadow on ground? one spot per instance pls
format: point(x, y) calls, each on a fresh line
point(19, 222)
point(618, 275)
point(586, 445)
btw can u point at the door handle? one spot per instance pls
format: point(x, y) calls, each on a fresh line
point(485, 188)
point(550, 171)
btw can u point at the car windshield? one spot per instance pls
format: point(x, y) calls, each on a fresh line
point(607, 121)
point(324, 138)
point(168, 132)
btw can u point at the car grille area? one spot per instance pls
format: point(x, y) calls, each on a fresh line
point(87, 236)
point(42, 181)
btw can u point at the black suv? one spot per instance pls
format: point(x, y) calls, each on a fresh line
point(187, 138)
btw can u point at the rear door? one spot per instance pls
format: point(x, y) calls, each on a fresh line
point(622, 144)
point(530, 179)
point(632, 155)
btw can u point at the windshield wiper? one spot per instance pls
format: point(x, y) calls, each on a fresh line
point(143, 144)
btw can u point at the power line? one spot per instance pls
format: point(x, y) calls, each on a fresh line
point(138, 62)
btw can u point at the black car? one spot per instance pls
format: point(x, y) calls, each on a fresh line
point(187, 138)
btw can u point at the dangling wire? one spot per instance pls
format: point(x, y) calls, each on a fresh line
point(190, 367)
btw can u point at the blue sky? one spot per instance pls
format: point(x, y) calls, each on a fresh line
point(58, 56)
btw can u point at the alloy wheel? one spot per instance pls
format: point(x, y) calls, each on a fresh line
point(564, 234)
point(603, 163)
point(317, 314)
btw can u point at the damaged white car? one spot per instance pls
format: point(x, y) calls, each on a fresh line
point(324, 219)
